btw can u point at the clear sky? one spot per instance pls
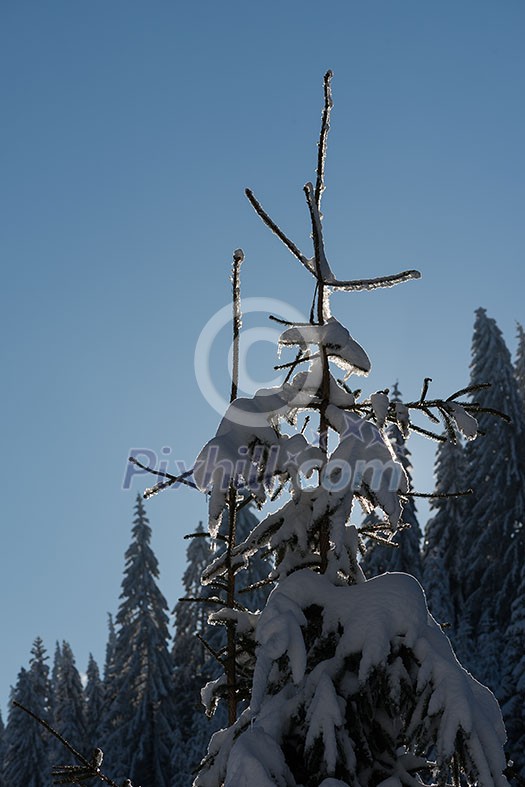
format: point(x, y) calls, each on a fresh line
point(128, 133)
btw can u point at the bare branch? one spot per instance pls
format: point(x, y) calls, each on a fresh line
point(210, 649)
point(468, 390)
point(296, 362)
point(433, 436)
point(322, 268)
point(308, 264)
point(238, 257)
point(179, 479)
point(323, 137)
point(374, 284)
point(262, 583)
point(424, 392)
point(438, 495)
point(60, 770)
point(288, 322)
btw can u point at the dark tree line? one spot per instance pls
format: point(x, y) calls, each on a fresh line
point(145, 710)
point(473, 554)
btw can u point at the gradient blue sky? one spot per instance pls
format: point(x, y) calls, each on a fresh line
point(129, 131)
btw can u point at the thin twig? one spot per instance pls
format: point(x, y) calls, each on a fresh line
point(322, 268)
point(355, 285)
point(293, 366)
point(439, 495)
point(468, 389)
point(424, 392)
point(427, 433)
point(296, 362)
point(238, 257)
point(270, 223)
point(202, 600)
point(325, 127)
point(182, 478)
point(256, 585)
point(210, 649)
point(287, 322)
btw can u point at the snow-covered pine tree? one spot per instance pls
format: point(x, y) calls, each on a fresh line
point(55, 747)
point(193, 664)
point(491, 547)
point(68, 702)
point(354, 683)
point(26, 760)
point(513, 679)
point(108, 687)
point(94, 706)
point(406, 554)
point(140, 716)
point(442, 565)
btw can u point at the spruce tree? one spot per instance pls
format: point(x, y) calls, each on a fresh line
point(40, 683)
point(94, 706)
point(513, 679)
point(26, 756)
point(55, 748)
point(27, 752)
point(403, 553)
point(193, 664)
point(68, 703)
point(492, 542)
point(442, 565)
point(140, 717)
point(353, 682)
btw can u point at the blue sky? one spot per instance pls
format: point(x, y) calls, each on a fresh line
point(129, 131)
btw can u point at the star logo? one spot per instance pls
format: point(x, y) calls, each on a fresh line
point(292, 458)
point(353, 427)
point(377, 437)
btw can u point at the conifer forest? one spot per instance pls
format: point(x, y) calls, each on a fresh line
point(326, 637)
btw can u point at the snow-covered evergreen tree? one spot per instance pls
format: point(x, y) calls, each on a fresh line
point(40, 684)
point(406, 554)
point(513, 680)
point(354, 683)
point(492, 539)
point(94, 706)
point(26, 759)
point(193, 664)
point(68, 701)
point(140, 715)
point(442, 566)
point(109, 663)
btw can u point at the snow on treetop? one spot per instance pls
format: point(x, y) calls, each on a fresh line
point(335, 339)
